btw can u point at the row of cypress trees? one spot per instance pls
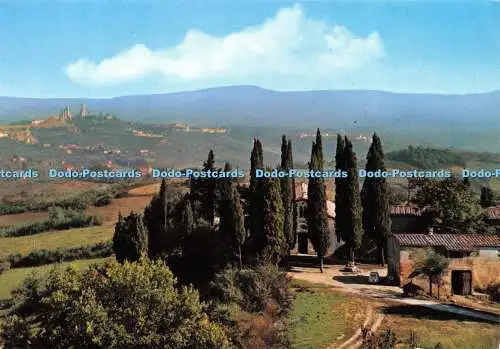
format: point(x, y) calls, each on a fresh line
point(357, 213)
point(259, 223)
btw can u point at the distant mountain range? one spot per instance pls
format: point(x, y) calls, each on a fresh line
point(225, 106)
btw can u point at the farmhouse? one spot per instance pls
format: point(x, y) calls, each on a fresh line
point(467, 253)
point(301, 206)
point(406, 218)
point(493, 217)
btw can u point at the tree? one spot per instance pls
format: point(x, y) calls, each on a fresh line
point(232, 220)
point(288, 194)
point(352, 233)
point(113, 306)
point(255, 196)
point(204, 191)
point(256, 162)
point(130, 240)
point(294, 196)
point(431, 264)
point(340, 185)
point(188, 223)
point(376, 201)
point(156, 219)
point(450, 206)
point(319, 148)
point(317, 212)
point(487, 197)
point(268, 240)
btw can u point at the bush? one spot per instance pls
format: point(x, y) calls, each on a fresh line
point(261, 297)
point(411, 290)
point(103, 201)
point(254, 290)
point(11, 209)
point(115, 306)
point(386, 340)
point(42, 257)
point(493, 291)
point(4, 266)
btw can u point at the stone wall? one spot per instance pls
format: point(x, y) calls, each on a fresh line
point(473, 264)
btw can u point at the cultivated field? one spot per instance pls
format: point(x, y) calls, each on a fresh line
point(57, 239)
point(14, 278)
point(123, 205)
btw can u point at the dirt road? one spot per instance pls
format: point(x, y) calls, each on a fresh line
point(356, 283)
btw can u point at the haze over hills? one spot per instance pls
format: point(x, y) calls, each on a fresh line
point(253, 105)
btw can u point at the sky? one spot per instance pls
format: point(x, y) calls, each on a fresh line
point(112, 48)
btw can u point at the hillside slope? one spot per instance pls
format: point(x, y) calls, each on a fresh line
point(248, 104)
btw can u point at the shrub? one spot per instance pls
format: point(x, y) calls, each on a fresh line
point(386, 340)
point(11, 209)
point(4, 266)
point(410, 289)
point(254, 290)
point(493, 290)
point(103, 201)
point(115, 306)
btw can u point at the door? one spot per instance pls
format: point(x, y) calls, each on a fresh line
point(461, 282)
point(303, 248)
point(467, 283)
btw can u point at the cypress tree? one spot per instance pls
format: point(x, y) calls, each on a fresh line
point(188, 223)
point(272, 221)
point(156, 222)
point(130, 240)
point(268, 242)
point(317, 218)
point(375, 200)
point(319, 148)
point(294, 197)
point(353, 232)
point(487, 197)
point(256, 162)
point(254, 196)
point(232, 221)
point(287, 194)
point(340, 184)
point(203, 191)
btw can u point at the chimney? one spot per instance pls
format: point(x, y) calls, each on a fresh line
point(431, 230)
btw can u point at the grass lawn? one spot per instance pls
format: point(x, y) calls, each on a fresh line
point(13, 278)
point(433, 327)
point(314, 322)
point(52, 240)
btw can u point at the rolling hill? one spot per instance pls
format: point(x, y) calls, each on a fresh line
point(257, 106)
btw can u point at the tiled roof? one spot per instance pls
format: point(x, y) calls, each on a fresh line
point(493, 212)
point(452, 242)
point(403, 210)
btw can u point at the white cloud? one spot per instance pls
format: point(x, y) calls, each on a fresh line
point(289, 44)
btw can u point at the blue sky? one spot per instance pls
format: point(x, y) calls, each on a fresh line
point(111, 48)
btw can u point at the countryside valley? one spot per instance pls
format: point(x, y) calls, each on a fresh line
point(275, 263)
point(396, 247)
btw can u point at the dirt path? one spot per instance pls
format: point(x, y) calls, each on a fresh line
point(353, 284)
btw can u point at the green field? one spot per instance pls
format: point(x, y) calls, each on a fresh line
point(314, 323)
point(52, 240)
point(14, 278)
